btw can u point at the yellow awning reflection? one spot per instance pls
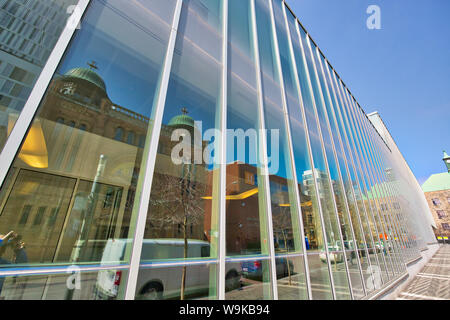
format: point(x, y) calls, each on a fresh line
point(304, 204)
point(34, 149)
point(240, 196)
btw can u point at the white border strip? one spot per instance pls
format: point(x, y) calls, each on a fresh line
point(223, 156)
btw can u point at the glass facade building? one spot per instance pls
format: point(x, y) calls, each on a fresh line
point(190, 149)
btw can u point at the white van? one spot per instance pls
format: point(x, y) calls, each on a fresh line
point(159, 282)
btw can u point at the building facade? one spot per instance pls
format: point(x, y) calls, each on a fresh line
point(437, 193)
point(195, 149)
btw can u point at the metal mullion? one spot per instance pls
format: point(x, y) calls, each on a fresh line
point(355, 159)
point(381, 176)
point(402, 242)
point(342, 181)
point(26, 116)
point(362, 185)
point(353, 187)
point(325, 238)
point(374, 170)
point(396, 227)
point(397, 193)
point(263, 152)
point(406, 251)
point(365, 172)
point(408, 226)
point(351, 160)
point(366, 162)
point(150, 151)
point(376, 177)
point(288, 132)
point(223, 158)
point(291, 153)
point(337, 165)
point(326, 159)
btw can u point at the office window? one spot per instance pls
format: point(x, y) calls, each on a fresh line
point(249, 178)
point(441, 214)
point(446, 226)
point(119, 134)
point(25, 214)
point(436, 202)
point(39, 216)
point(130, 137)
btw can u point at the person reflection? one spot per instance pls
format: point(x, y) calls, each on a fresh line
point(14, 242)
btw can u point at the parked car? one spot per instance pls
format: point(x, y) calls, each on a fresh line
point(254, 269)
point(334, 253)
point(163, 283)
point(380, 246)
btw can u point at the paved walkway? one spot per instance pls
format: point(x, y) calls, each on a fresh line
point(433, 281)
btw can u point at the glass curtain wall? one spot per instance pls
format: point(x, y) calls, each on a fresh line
point(299, 94)
point(380, 264)
point(336, 166)
point(117, 191)
point(379, 195)
point(389, 244)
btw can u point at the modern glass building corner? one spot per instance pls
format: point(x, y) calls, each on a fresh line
point(190, 149)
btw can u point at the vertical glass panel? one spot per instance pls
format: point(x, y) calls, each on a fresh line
point(326, 190)
point(182, 217)
point(254, 283)
point(180, 203)
point(354, 235)
point(375, 192)
point(283, 203)
point(164, 283)
point(353, 183)
point(291, 277)
point(246, 229)
point(284, 215)
point(332, 146)
point(73, 285)
point(387, 242)
point(75, 189)
point(30, 30)
point(314, 238)
point(380, 265)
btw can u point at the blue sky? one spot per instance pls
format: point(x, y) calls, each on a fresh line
point(402, 71)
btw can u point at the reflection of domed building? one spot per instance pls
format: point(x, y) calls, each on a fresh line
point(82, 135)
point(84, 104)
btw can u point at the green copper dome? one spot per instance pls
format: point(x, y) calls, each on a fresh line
point(181, 120)
point(88, 75)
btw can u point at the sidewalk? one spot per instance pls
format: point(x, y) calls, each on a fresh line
point(433, 281)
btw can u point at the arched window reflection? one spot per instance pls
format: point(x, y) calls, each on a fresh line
point(119, 134)
point(141, 141)
point(130, 138)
